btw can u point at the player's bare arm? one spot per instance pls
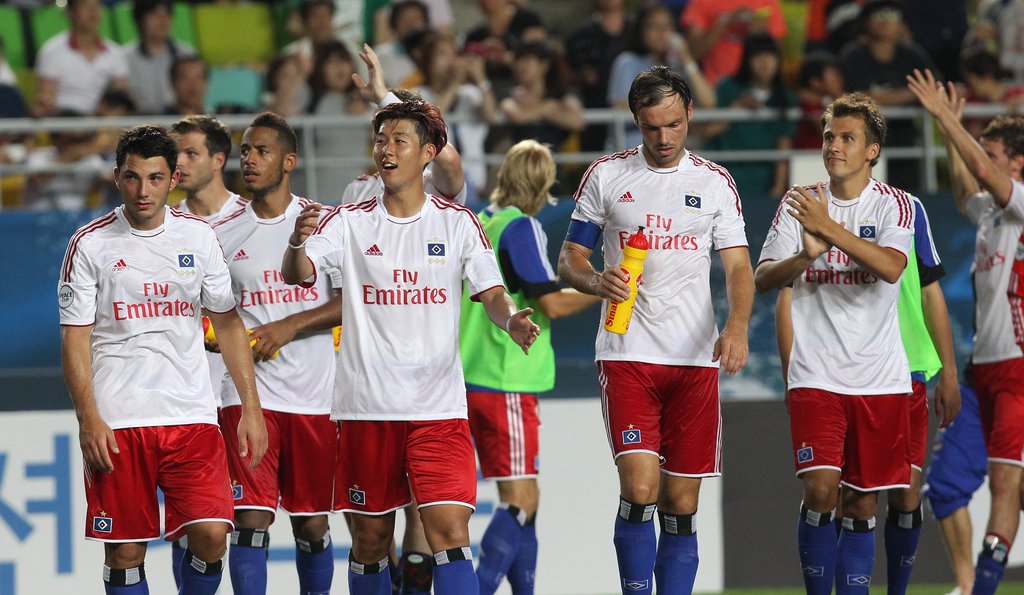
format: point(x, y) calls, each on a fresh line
point(784, 332)
point(812, 213)
point(448, 176)
point(731, 348)
point(234, 344)
point(565, 302)
point(943, 102)
point(94, 435)
point(502, 311)
point(296, 267)
point(936, 319)
point(374, 88)
point(275, 335)
point(963, 183)
point(575, 269)
point(775, 274)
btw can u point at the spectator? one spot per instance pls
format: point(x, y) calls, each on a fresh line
point(878, 64)
point(505, 26)
point(939, 27)
point(152, 55)
point(189, 80)
point(655, 41)
point(64, 190)
point(404, 18)
point(716, 29)
point(458, 86)
point(757, 86)
point(75, 67)
point(319, 26)
point(334, 93)
point(821, 81)
point(286, 93)
point(539, 106)
point(591, 49)
point(983, 78)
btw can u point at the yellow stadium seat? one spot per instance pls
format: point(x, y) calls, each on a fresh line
point(234, 33)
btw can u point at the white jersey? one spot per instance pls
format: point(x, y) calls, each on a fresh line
point(366, 187)
point(301, 377)
point(999, 230)
point(402, 293)
point(142, 292)
point(846, 333)
point(218, 371)
point(685, 211)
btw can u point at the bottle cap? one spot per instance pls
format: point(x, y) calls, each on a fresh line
point(638, 240)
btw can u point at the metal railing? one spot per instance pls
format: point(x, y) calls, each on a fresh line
point(619, 121)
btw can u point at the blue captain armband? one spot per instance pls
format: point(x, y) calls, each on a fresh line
point(584, 233)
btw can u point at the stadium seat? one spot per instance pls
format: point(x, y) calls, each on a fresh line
point(183, 29)
point(50, 20)
point(13, 35)
point(239, 86)
point(234, 33)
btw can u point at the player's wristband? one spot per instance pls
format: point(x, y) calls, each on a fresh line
point(508, 323)
point(299, 246)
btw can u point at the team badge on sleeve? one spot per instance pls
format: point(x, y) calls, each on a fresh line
point(631, 436)
point(65, 296)
point(805, 455)
point(186, 261)
point(867, 232)
point(356, 496)
point(102, 523)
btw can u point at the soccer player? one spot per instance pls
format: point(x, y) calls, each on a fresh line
point(501, 383)
point(130, 290)
point(204, 145)
point(924, 329)
point(843, 246)
point(290, 332)
point(988, 189)
point(402, 258)
point(659, 382)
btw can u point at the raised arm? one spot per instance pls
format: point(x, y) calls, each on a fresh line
point(296, 267)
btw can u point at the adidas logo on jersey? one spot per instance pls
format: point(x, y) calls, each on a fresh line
point(373, 251)
point(119, 266)
point(627, 197)
point(240, 256)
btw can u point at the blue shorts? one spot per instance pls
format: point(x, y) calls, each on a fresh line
point(959, 460)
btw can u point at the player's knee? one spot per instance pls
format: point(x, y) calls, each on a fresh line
point(370, 540)
point(524, 495)
point(682, 503)
point(820, 495)
point(904, 499)
point(253, 519)
point(208, 541)
point(640, 491)
point(125, 555)
point(310, 528)
point(859, 505)
point(446, 535)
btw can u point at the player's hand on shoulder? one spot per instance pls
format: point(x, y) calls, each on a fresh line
point(97, 441)
point(523, 330)
point(305, 223)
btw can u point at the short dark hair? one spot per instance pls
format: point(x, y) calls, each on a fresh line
point(814, 66)
point(306, 8)
point(429, 123)
point(118, 99)
point(982, 63)
point(1009, 130)
point(654, 84)
point(140, 8)
point(398, 7)
point(859, 105)
point(218, 138)
point(147, 141)
point(181, 61)
point(285, 132)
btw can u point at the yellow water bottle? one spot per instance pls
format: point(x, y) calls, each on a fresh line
point(633, 255)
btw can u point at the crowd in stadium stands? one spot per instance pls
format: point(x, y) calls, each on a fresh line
point(510, 67)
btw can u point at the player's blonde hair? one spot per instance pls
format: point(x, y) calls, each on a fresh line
point(525, 178)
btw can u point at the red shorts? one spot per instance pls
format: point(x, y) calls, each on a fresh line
point(298, 466)
point(918, 424)
point(378, 460)
point(669, 411)
point(186, 462)
point(505, 429)
point(1000, 389)
point(866, 438)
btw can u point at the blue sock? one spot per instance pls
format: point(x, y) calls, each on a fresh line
point(177, 551)
point(523, 572)
point(676, 566)
point(315, 564)
point(902, 532)
point(368, 579)
point(636, 547)
point(199, 577)
point(453, 573)
point(499, 547)
point(125, 581)
point(247, 561)
point(991, 565)
point(856, 557)
point(816, 542)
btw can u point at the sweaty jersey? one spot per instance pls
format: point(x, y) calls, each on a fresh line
point(686, 211)
point(994, 248)
point(142, 292)
point(300, 379)
point(401, 295)
point(366, 187)
point(846, 335)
